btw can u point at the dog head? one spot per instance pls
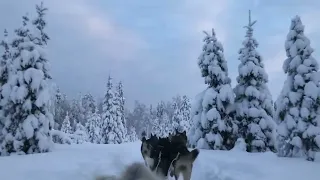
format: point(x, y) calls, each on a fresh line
point(149, 144)
point(183, 164)
point(179, 137)
point(149, 150)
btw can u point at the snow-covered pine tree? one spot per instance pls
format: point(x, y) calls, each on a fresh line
point(165, 126)
point(109, 117)
point(27, 129)
point(121, 122)
point(88, 104)
point(62, 106)
point(66, 126)
point(93, 127)
point(181, 115)
point(254, 105)
point(122, 101)
point(80, 135)
point(5, 62)
point(185, 108)
point(156, 126)
point(218, 131)
point(138, 118)
point(177, 114)
point(298, 105)
point(77, 112)
point(132, 135)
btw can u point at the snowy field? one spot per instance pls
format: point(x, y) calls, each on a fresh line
point(82, 162)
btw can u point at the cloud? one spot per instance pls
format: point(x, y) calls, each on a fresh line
point(111, 38)
point(153, 47)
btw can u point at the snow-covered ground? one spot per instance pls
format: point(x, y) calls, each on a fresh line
point(82, 162)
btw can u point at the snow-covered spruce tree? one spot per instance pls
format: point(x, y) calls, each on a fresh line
point(185, 111)
point(165, 126)
point(66, 126)
point(5, 62)
point(218, 131)
point(132, 135)
point(109, 128)
point(155, 124)
point(122, 100)
point(93, 127)
point(88, 104)
point(77, 112)
point(177, 116)
point(62, 106)
point(80, 135)
point(298, 105)
point(121, 122)
point(29, 120)
point(254, 106)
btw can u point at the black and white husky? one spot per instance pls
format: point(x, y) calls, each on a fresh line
point(169, 155)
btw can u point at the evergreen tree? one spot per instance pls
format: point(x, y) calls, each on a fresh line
point(5, 63)
point(77, 112)
point(80, 135)
point(138, 118)
point(156, 126)
point(254, 106)
point(62, 106)
point(109, 117)
point(298, 110)
point(92, 127)
point(132, 135)
point(177, 116)
point(27, 128)
point(217, 129)
point(66, 126)
point(165, 126)
point(185, 109)
point(88, 104)
point(121, 122)
point(181, 115)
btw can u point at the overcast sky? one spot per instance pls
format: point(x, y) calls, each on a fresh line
point(153, 46)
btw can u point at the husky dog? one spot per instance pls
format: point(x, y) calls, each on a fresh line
point(183, 164)
point(149, 151)
point(170, 154)
point(135, 171)
point(179, 137)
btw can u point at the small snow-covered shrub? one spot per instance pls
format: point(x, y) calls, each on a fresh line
point(60, 137)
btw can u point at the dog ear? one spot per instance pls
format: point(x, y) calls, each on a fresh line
point(194, 154)
point(153, 137)
point(143, 139)
point(184, 133)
